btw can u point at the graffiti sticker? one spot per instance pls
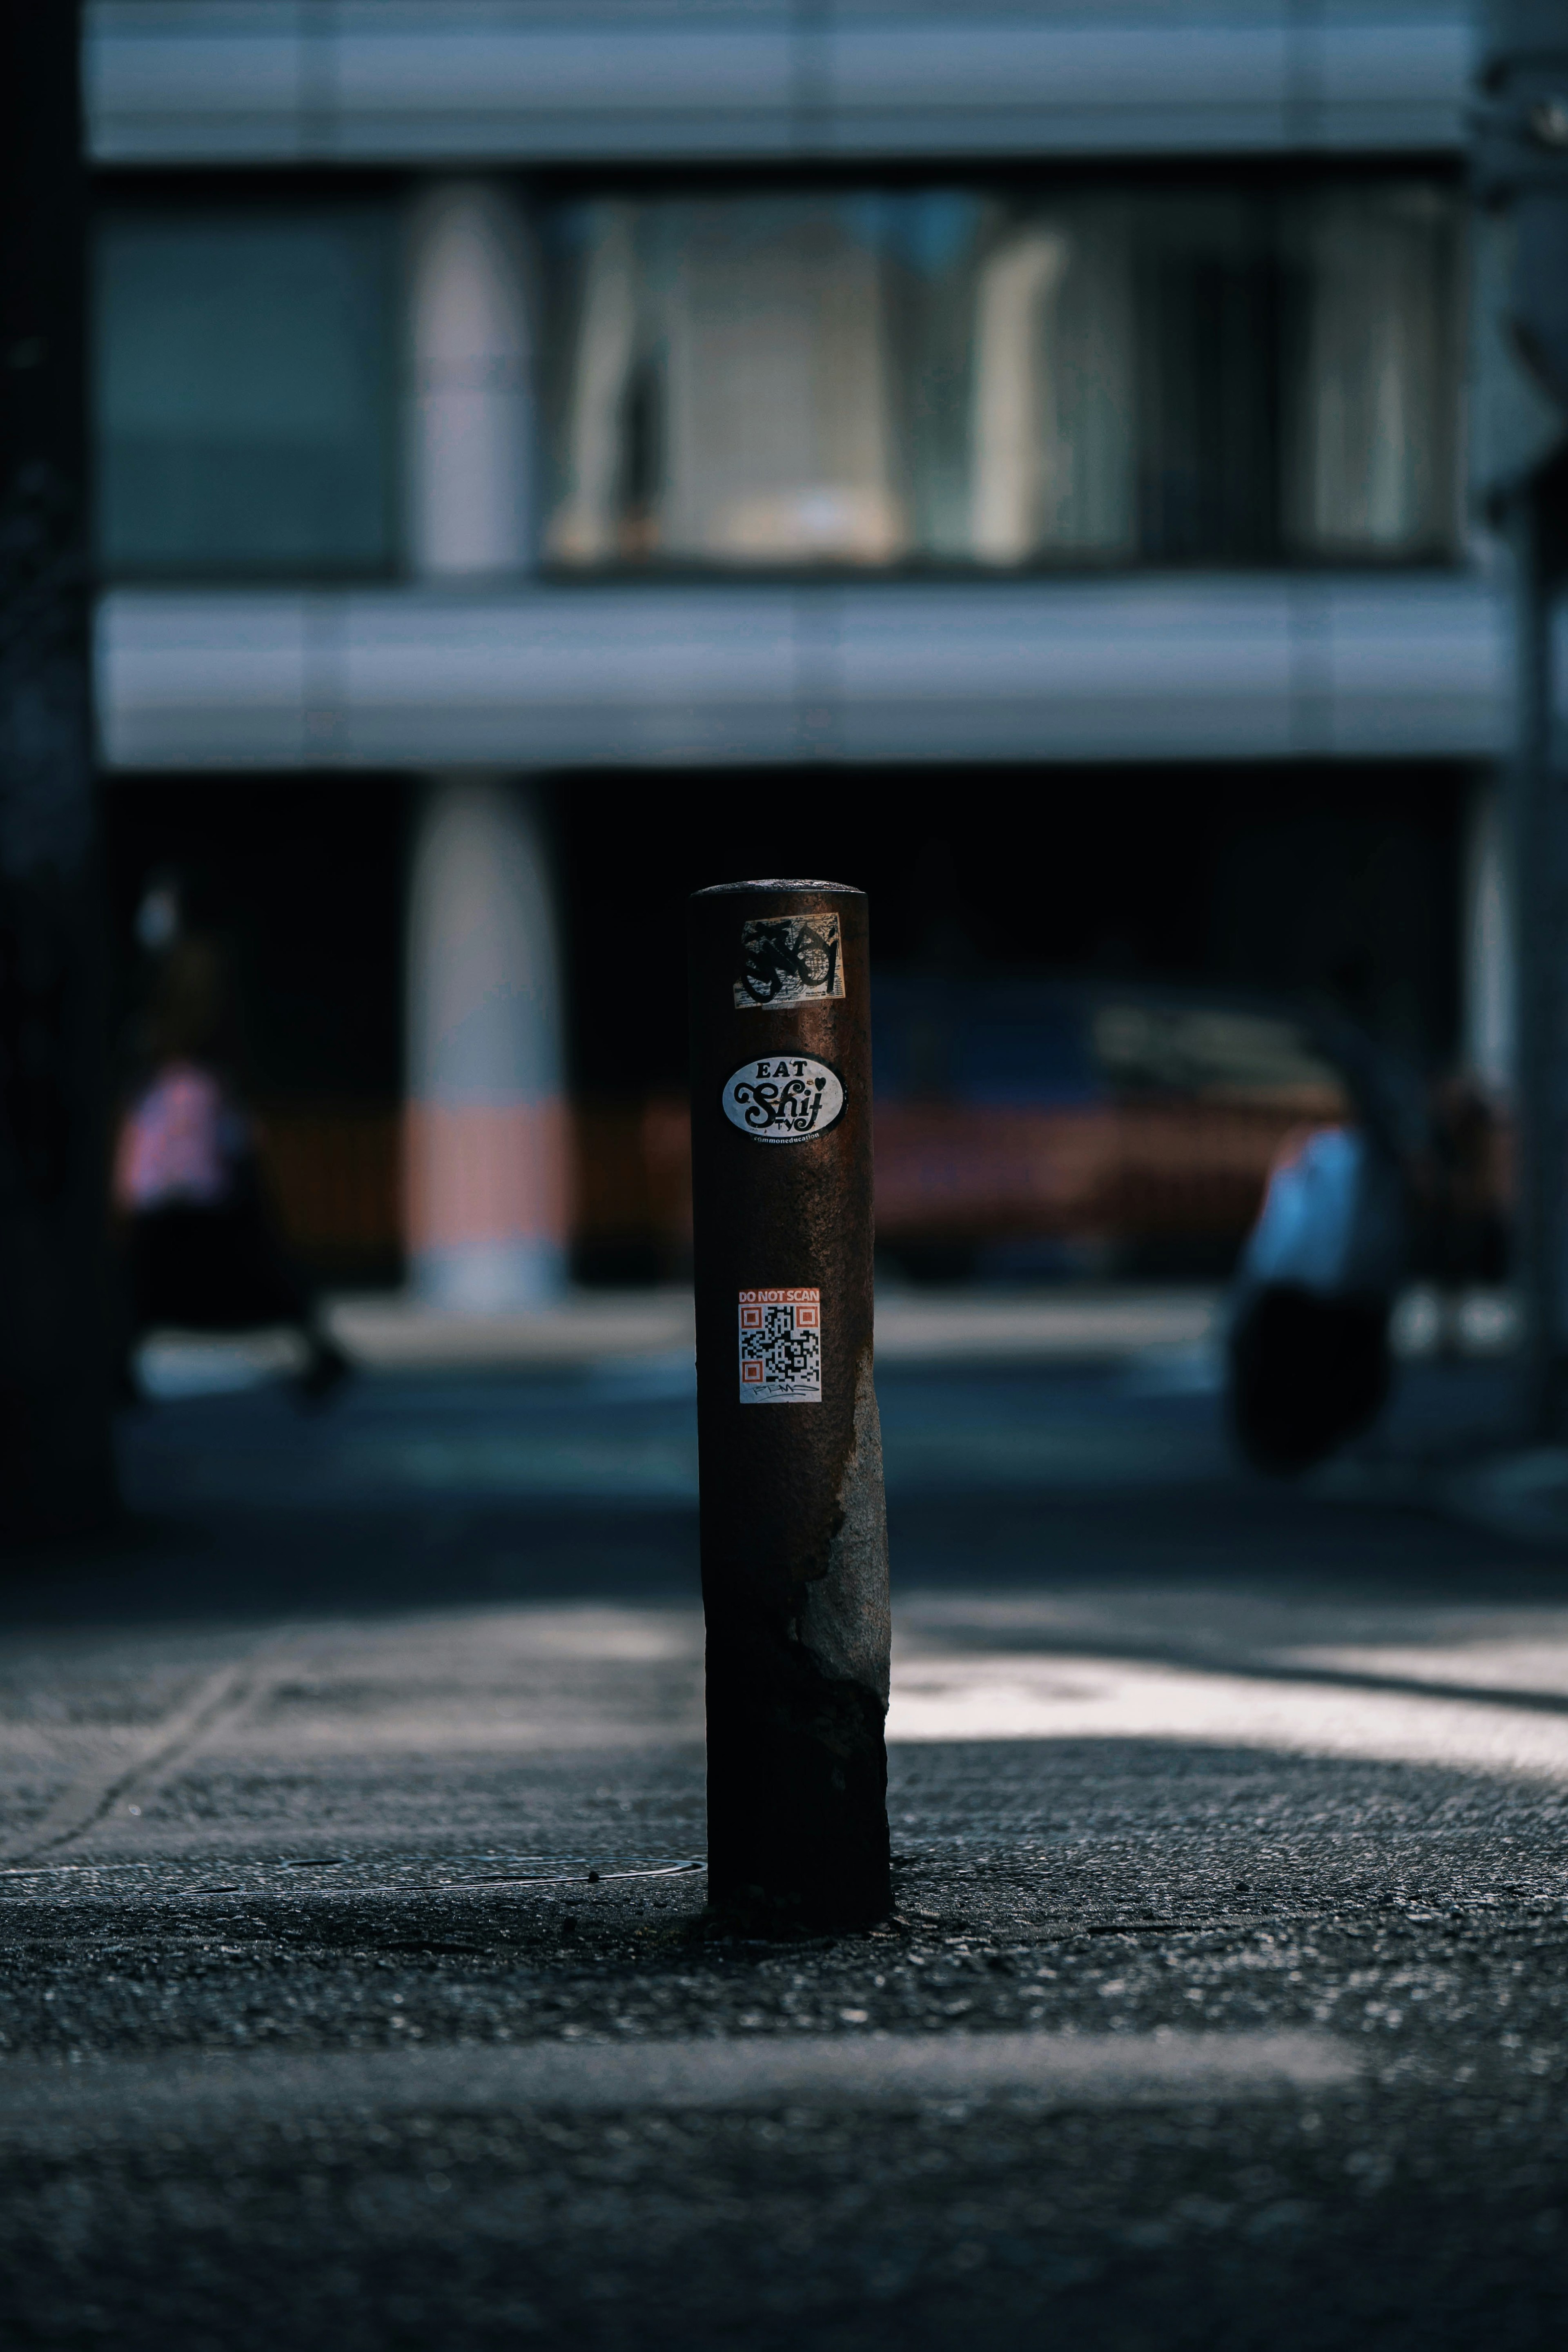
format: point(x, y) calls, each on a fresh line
point(788, 960)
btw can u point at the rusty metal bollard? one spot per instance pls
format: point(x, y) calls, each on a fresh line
point(795, 1550)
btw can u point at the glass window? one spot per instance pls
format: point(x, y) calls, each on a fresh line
point(1052, 397)
point(1207, 376)
point(1102, 376)
point(1373, 464)
point(243, 368)
point(730, 396)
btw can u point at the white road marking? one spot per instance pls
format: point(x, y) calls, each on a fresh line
point(106, 2098)
point(1039, 1697)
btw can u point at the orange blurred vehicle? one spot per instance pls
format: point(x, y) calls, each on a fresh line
point(1031, 1126)
point(1031, 1130)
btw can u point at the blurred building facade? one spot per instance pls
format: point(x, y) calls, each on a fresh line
point(548, 458)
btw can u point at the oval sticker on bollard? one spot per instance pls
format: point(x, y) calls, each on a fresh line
point(784, 1098)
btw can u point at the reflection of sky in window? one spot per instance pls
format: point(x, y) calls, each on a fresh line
point(928, 229)
point(243, 379)
point(268, 328)
point(950, 371)
point(869, 218)
point(932, 229)
point(569, 228)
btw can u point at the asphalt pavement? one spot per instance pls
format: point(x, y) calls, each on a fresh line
point(355, 1990)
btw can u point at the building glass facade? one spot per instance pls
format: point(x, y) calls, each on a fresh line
point(1110, 375)
point(613, 464)
point(246, 378)
point(1009, 378)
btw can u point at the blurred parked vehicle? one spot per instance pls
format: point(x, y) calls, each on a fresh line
point(1035, 1126)
point(1031, 1130)
point(1025, 1129)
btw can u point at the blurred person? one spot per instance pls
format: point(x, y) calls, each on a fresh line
point(1309, 1362)
point(1463, 1197)
point(201, 1249)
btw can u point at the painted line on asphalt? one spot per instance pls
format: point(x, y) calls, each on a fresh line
point(110, 2098)
point(972, 1695)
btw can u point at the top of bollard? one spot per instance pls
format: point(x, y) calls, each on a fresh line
point(717, 889)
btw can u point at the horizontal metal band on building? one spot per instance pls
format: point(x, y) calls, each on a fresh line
point(375, 81)
point(1160, 668)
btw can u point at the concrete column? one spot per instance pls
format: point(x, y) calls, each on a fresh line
point(486, 1134)
point(470, 410)
point(486, 1138)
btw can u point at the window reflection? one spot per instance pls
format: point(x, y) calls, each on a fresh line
point(963, 375)
point(1052, 448)
point(1373, 467)
point(732, 393)
point(995, 377)
point(244, 364)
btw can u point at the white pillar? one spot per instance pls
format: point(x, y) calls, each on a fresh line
point(1017, 285)
point(486, 1136)
point(470, 415)
point(1489, 946)
point(486, 1139)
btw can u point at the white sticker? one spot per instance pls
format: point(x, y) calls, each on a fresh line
point(787, 958)
point(781, 1347)
point(783, 1097)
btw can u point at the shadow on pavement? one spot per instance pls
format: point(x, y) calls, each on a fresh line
point(420, 1490)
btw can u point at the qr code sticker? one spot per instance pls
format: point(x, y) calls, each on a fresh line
point(781, 1347)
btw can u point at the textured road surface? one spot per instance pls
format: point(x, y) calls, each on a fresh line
point(353, 1986)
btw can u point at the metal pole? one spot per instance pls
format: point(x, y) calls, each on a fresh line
point(57, 1472)
point(1538, 861)
point(794, 1556)
point(1520, 178)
